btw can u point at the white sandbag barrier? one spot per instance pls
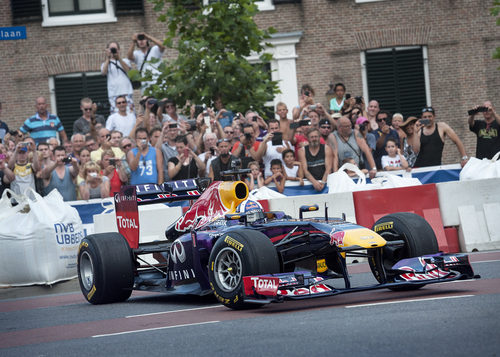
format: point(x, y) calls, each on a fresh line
point(39, 239)
point(474, 208)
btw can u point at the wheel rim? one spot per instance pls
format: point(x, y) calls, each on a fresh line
point(86, 271)
point(228, 269)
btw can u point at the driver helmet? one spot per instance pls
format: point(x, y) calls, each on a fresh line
point(253, 209)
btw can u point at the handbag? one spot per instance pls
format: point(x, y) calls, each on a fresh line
point(476, 169)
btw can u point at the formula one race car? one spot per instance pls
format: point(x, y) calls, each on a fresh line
point(227, 245)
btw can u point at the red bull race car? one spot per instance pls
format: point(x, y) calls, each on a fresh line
point(227, 245)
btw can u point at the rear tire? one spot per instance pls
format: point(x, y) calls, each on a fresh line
point(105, 268)
point(237, 254)
point(418, 235)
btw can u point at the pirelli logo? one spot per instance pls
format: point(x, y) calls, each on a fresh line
point(233, 243)
point(383, 226)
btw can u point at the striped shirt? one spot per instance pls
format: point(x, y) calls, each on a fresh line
point(41, 130)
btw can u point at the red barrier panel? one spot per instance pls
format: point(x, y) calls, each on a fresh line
point(422, 200)
point(452, 239)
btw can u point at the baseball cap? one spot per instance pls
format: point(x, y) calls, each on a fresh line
point(361, 120)
point(408, 120)
point(324, 121)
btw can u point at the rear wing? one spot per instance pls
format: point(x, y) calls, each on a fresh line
point(129, 197)
point(171, 191)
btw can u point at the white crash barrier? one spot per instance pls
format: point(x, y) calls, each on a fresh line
point(473, 206)
point(153, 220)
point(337, 204)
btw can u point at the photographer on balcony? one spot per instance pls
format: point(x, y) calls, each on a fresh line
point(115, 68)
point(487, 130)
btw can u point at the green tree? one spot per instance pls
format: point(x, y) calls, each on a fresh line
point(213, 42)
point(495, 11)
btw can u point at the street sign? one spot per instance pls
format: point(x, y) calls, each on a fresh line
point(13, 33)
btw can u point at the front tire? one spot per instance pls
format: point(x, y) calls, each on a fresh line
point(105, 268)
point(237, 254)
point(419, 238)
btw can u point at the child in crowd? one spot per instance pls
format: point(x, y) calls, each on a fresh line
point(394, 160)
point(255, 178)
point(293, 169)
point(277, 177)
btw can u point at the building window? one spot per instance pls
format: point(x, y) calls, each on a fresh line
point(69, 89)
point(397, 78)
point(77, 12)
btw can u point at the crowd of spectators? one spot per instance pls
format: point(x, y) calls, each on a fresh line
point(157, 142)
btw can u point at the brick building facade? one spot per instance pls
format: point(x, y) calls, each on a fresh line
point(318, 42)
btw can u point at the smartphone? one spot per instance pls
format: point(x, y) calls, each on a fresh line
point(172, 126)
point(425, 121)
point(277, 138)
point(212, 151)
point(112, 162)
point(108, 136)
point(144, 142)
point(304, 122)
point(313, 106)
point(347, 96)
point(66, 160)
point(206, 118)
point(186, 152)
point(93, 174)
point(294, 125)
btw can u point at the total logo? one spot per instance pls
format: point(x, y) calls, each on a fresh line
point(177, 252)
point(124, 222)
point(262, 286)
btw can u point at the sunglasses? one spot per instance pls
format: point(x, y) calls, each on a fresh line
point(355, 112)
point(223, 141)
point(121, 102)
point(428, 109)
point(228, 132)
point(87, 109)
point(170, 106)
point(325, 126)
point(380, 120)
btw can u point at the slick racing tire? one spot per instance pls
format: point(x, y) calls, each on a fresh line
point(418, 236)
point(105, 268)
point(237, 254)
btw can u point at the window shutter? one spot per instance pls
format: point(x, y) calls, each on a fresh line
point(70, 90)
point(279, 2)
point(129, 7)
point(396, 79)
point(26, 11)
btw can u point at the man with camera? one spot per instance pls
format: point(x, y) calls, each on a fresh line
point(223, 160)
point(272, 146)
point(58, 175)
point(487, 130)
point(121, 121)
point(144, 54)
point(89, 122)
point(316, 160)
point(23, 169)
point(246, 148)
point(115, 68)
point(432, 136)
point(105, 143)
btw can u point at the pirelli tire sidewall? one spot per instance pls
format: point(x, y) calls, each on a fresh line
point(257, 254)
point(417, 233)
point(110, 260)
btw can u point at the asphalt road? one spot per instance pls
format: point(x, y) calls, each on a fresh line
point(452, 319)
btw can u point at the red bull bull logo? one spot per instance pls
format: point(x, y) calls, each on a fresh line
point(217, 200)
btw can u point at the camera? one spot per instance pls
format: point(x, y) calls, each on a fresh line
point(112, 162)
point(174, 126)
point(198, 109)
point(347, 96)
point(144, 142)
point(313, 106)
point(67, 160)
point(141, 37)
point(191, 123)
point(480, 109)
point(236, 164)
point(307, 93)
point(254, 118)
point(212, 151)
point(248, 136)
point(277, 138)
point(359, 99)
point(113, 50)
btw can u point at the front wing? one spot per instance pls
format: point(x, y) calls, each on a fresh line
point(430, 269)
